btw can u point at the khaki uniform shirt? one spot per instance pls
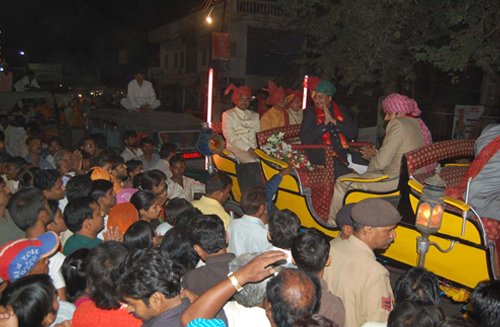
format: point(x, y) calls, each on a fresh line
point(331, 306)
point(360, 282)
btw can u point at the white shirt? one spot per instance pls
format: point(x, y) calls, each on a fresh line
point(240, 316)
point(239, 128)
point(128, 154)
point(289, 262)
point(20, 86)
point(247, 234)
point(55, 263)
point(140, 95)
point(162, 165)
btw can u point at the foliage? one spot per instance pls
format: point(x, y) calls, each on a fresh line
point(277, 148)
point(356, 42)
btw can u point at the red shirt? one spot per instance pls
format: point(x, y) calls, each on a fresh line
point(87, 314)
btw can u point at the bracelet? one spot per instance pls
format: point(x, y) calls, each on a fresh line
point(234, 281)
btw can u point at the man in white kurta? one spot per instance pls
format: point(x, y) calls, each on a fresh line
point(140, 95)
point(240, 124)
point(27, 83)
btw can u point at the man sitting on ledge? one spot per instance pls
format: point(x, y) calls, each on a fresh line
point(140, 95)
point(404, 133)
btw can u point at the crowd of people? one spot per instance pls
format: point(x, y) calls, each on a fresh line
point(90, 237)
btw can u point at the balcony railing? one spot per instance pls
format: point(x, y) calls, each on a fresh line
point(270, 8)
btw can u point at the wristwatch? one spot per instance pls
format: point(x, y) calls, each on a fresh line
point(234, 281)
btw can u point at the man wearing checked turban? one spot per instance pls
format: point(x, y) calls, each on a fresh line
point(405, 132)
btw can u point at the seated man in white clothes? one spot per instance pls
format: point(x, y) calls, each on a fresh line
point(141, 96)
point(240, 124)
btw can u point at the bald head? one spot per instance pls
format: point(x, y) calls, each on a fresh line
point(292, 294)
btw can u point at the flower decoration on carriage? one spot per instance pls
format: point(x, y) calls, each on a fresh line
point(279, 149)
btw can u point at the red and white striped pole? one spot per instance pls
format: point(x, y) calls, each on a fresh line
point(304, 96)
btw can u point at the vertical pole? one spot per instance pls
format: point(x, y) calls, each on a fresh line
point(304, 96)
point(210, 91)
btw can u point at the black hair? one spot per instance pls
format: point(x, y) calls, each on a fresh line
point(357, 227)
point(218, 181)
point(4, 157)
point(140, 235)
point(146, 140)
point(104, 267)
point(148, 179)
point(417, 284)
point(292, 294)
point(32, 138)
point(54, 139)
point(415, 314)
point(32, 298)
point(167, 149)
point(143, 200)
point(284, 226)
point(100, 187)
point(26, 175)
point(100, 140)
point(251, 199)
point(310, 250)
point(31, 72)
point(184, 217)
point(46, 179)
point(54, 206)
point(176, 159)
point(149, 271)
point(129, 134)
point(78, 187)
point(73, 272)
point(178, 247)
point(85, 139)
point(116, 160)
point(77, 211)
point(102, 159)
point(132, 165)
point(19, 121)
point(314, 320)
point(175, 207)
point(207, 231)
point(458, 321)
point(17, 162)
point(485, 303)
point(85, 154)
point(25, 206)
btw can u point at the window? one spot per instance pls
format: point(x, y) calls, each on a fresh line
point(176, 60)
point(166, 61)
point(182, 60)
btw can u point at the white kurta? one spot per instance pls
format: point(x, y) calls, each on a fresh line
point(138, 96)
point(21, 85)
point(239, 128)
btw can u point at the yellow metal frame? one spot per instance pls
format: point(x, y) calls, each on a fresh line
point(228, 165)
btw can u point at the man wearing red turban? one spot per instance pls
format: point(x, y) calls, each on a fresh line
point(325, 122)
point(294, 106)
point(277, 116)
point(239, 125)
point(404, 133)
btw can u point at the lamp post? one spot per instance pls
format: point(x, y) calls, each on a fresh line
point(430, 211)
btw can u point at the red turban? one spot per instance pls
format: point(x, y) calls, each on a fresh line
point(238, 91)
point(276, 94)
point(292, 97)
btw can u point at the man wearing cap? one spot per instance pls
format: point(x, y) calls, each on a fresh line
point(355, 275)
point(328, 123)
point(344, 222)
point(141, 96)
point(27, 256)
point(404, 133)
point(239, 125)
point(277, 116)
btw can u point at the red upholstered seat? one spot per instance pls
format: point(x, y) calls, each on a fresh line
point(217, 128)
point(320, 180)
point(452, 175)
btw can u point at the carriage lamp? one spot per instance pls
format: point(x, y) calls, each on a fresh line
point(430, 211)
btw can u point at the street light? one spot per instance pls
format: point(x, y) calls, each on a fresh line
point(209, 16)
point(21, 53)
point(430, 211)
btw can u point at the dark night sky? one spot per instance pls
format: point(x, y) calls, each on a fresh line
point(82, 31)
